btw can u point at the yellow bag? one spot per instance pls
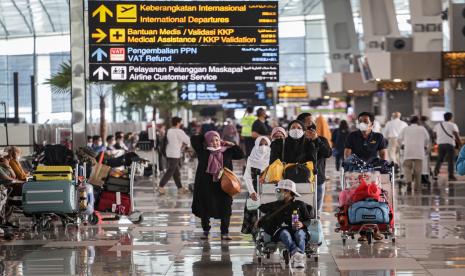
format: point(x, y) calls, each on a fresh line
point(274, 172)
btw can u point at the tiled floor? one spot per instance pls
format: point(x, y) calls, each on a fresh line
point(430, 241)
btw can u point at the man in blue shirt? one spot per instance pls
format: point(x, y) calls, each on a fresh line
point(97, 144)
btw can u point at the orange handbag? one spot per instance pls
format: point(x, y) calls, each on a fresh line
point(230, 183)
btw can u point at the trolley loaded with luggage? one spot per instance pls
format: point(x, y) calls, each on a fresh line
point(366, 200)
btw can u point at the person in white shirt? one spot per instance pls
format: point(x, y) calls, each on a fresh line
point(447, 138)
point(415, 139)
point(391, 132)
point(176, 138)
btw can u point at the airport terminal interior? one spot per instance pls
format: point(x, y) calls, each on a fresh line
point(232, 137)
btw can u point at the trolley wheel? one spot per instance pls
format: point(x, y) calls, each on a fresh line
point(344, 241)
point(393, 240)
point(137, 219)
point(286, 257)
point(369, 237)
point(259, 260)
point(8, 235)
point(268, 255)
point(315, 259)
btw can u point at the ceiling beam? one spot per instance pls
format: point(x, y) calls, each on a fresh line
point(24, 17)
point(48, 15)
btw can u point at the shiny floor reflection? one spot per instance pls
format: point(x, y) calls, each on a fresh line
point(430, 241)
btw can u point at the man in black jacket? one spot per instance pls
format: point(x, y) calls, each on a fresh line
point(323, 152)
point(286, 220)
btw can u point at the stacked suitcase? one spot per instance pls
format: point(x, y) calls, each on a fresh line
point(52, 191)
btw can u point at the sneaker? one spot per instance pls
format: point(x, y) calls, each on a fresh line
point(452, 178)
point(161, 190)
point(298, 260)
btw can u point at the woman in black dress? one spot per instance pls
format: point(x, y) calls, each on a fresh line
point(210, 201)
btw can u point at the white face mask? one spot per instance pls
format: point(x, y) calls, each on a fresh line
point(264, 149)
point(296, 133)
point(363, 126)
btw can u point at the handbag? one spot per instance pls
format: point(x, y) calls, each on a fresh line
point(230, 183)
point(274, 172)
point(252, 205)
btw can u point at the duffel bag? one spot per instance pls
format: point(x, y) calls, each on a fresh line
point(117, 184)
point(299, 173)
point(369, 212)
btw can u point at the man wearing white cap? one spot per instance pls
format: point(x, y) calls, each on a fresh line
point(286, 220)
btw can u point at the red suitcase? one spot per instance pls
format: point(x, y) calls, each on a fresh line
point(107, 199)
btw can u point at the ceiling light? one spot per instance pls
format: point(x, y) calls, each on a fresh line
point(350, 91)
point(397, 80)
point(435, 90)
point(377, 79)
point(326, 97)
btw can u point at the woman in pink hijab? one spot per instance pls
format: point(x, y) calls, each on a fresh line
point(210, 201)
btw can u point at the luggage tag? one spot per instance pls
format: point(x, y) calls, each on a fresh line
point(118, 202)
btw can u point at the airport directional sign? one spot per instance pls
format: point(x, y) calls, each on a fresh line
point(183, 41)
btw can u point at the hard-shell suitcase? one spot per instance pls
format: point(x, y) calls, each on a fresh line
point(51, 173)
point(117, 184)
point(57, 197)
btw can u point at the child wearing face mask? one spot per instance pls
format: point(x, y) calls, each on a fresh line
point(256, 163)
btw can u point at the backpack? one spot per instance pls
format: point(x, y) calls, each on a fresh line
point(299, 173)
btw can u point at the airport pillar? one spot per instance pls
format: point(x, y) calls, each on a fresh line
point(342, 38)
point(78, 81)
point(450, 88)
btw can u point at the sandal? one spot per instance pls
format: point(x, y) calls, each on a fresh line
point(362, 239)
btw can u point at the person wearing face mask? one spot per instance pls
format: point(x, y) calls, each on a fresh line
point(14, 155)
point(323, 151)
point(210, 201)
point(256, 163)
point(296, 148)
point(97, 144)
point(365, 143)
point(260, 127)
point(278, 223)
point(278, 133)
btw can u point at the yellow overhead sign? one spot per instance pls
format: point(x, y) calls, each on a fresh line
point(117, 35)
point(126, 13)
point(102, 11)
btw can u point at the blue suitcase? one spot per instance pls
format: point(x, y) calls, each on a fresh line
point(57, 197)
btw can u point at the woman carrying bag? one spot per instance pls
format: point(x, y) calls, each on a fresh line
point(256, 163)
point(210, 201)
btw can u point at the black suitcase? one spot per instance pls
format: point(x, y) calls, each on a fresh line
point(117, 184)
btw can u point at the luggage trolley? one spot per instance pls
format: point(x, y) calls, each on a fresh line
point(134, 216)
point(387, 183)
point(264, 246)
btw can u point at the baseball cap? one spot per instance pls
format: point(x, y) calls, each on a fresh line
point(287, 184)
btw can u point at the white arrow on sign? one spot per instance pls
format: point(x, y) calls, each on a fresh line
point(184, 96)
point(100, 71)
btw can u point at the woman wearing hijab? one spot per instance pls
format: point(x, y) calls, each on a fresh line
point(295, 148)
point(256, 163)
point(210, 201)
point(278, 133)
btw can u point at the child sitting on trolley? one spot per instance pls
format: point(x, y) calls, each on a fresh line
point(286, 220)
